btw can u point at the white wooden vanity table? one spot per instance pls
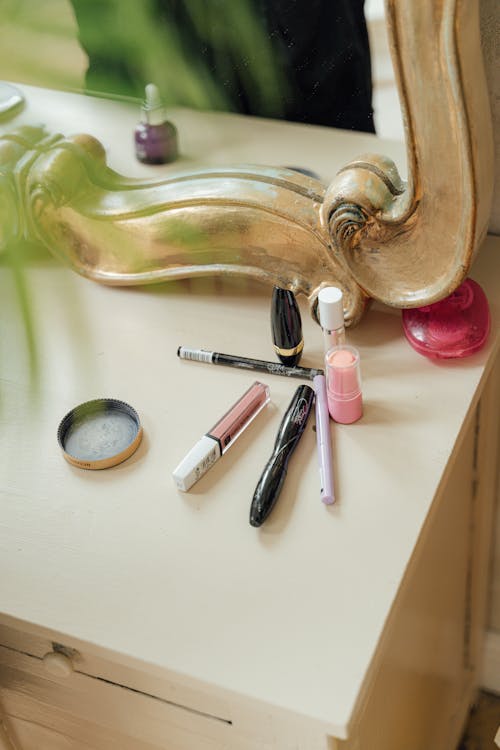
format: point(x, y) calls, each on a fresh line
point(137, 617)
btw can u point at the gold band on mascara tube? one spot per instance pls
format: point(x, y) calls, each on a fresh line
point(289, 352)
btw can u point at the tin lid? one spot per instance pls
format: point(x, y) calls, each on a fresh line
point(99, 434)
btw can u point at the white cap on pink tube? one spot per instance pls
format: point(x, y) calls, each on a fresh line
point(330, 310)
point(343, 384)
point(331, 316)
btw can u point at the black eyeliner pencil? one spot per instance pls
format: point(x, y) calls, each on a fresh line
point(245, 363)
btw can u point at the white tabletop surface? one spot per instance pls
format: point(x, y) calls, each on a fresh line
point(291, 613)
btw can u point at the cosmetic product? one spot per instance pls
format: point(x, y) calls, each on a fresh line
point(155, 137)
point(223, 434)
point(343, 384)
point(245, 363)
point(457, 326)
point(290, 431)
point(286, 327)
point(324, 441)
point(331, 316)
point(99, 434)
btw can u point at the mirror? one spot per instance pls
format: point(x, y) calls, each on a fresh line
point(404, 243)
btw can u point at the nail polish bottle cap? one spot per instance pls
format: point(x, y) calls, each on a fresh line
point(330, 310)
point(153, 108)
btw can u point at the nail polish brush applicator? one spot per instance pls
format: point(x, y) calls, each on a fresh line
point(286, 327)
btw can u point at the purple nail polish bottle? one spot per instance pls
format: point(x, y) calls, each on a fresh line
point(155, 137)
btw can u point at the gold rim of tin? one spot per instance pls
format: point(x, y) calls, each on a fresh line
point(90, 408)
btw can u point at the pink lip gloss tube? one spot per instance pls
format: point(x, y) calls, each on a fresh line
point(223, 434)
point(343, 384)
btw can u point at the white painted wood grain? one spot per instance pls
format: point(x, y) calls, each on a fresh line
point(31, 736)
point(420, 666)
point(108, 706)
point(144, 681)
point(108, 715)
point(487, 545)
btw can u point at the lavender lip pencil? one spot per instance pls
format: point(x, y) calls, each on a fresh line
point(324, 442)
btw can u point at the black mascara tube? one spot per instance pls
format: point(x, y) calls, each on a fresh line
point(290, 431)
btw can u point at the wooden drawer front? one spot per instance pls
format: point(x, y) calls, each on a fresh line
point(69, 735)
point(30, 736)
point(99, 714)
point(143, 707)
point(173, 691)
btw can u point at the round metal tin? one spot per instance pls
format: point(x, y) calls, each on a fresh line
point(99, 434)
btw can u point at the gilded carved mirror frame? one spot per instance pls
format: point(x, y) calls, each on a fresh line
point(405, 244)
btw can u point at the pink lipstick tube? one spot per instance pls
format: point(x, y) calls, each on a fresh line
point(223, 434)
point(343, 384)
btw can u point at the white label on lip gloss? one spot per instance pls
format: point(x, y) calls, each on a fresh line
point(197, 462)
point(207, 462)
